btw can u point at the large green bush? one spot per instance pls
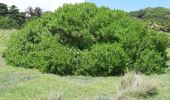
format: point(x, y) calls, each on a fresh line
point(84, 39)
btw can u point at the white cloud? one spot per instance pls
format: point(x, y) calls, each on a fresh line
point(46, 5)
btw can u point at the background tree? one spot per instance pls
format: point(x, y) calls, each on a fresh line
point(3, 9)
point(16, 14)
point(30, 12)
point(22, 18)
point(11, 17)
point(33, 12)
point(38, 11)
point(13, 11)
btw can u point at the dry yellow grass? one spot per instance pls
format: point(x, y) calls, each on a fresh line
point(136, 85)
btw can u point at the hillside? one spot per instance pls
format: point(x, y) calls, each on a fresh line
point(157, 18)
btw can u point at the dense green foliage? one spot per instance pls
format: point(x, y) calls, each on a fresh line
point(102, 60)
point(3, 9)
point(84, 39)
point(158, 18)
point(149, 61)
point(44, 55)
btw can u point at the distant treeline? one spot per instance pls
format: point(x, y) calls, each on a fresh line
point(157, 18)
point(12, 17)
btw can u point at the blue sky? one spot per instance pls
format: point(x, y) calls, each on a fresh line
point(131, 5)
point(46, 5)
point(51, 5)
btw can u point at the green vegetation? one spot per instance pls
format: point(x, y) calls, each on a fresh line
point(8, 23)
point(157, 18)
point(28, 84)
point(103, 60)
point(84, 39)
point(10, 17)
point(4, 38)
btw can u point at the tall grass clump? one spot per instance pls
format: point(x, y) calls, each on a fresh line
point(52, 96)
point(136, 85)
point(83, 39)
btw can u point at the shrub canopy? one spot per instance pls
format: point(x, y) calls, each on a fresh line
point(84, 39)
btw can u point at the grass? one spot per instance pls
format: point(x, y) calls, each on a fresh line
point(29, 84)
point(4, 37)
point(25, 84)
point(136, 85)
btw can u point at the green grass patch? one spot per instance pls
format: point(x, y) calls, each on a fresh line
point(4, 37)
point(23, 84)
